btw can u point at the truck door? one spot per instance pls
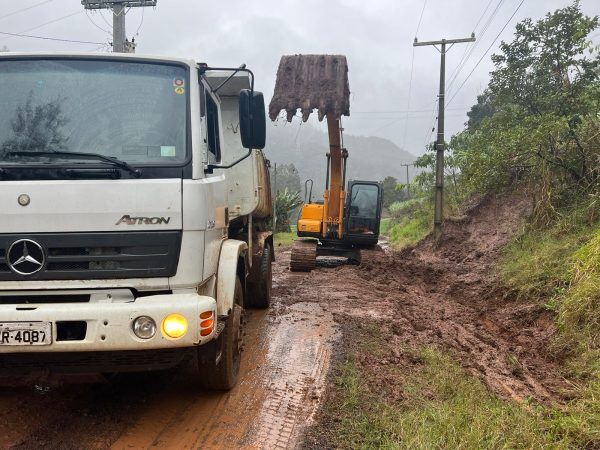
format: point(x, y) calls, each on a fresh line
point(363, 212)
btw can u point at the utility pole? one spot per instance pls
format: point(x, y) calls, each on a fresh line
point(440, 142)
point(407, 180)
point(120, 43)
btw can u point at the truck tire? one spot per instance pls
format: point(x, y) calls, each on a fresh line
point(259, 294)
point(219, 361)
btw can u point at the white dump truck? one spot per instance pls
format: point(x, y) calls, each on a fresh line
point(134, 211)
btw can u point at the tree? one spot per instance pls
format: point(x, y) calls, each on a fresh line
point(481, 110)
point(285, 203)
point(287, 178)
point(538, 118)
point(392, 191)
point(36, 128)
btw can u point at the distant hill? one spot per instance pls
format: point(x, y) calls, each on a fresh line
point(370, 158)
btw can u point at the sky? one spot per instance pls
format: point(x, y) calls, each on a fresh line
point(376, 36)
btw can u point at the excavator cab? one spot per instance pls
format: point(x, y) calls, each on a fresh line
point(363, 212)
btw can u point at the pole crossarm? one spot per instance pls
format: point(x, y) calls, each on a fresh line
point(443, 41)
point(108, 4)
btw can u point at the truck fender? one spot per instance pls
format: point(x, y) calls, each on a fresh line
point(232, 252)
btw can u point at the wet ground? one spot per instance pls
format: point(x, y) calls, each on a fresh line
point(442, 294)
point(286, 358)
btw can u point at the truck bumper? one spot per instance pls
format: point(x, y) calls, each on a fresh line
point(109, 320)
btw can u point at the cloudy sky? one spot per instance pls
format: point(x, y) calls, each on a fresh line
point(375, 35)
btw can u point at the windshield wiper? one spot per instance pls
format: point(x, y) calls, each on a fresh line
point(80, 155)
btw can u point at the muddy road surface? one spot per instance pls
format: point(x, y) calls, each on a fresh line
point(445, 295)
point(286, 358)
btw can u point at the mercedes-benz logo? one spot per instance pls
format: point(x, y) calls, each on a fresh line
point(25, 257)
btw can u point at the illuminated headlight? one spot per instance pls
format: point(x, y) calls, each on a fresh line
point(174, 326)
point(144, 327)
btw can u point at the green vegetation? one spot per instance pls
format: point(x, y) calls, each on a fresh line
point(284, 239)
point(538, 123)
point(560, 267)
point(536, 128)
point(411, 222)
point(286, 202)
point(444, 407)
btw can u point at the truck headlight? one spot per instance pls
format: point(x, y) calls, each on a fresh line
point(144, 327)
point(174, 326)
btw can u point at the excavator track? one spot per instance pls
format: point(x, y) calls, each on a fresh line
point(304, 256)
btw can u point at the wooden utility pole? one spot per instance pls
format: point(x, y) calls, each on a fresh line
point(440, 141)
point(407, 180)
point(120, 43)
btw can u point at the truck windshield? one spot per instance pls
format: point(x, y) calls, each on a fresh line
point(135, 112)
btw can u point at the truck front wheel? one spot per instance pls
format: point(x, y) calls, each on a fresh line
point(219, 361)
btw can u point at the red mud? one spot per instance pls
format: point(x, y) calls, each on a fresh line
point(449, 296)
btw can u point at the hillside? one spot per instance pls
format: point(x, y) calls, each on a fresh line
point(305, 147)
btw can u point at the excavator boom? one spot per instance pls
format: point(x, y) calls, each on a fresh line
point(308, 82)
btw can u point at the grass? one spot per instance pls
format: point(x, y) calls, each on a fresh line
point(560, 267)
point(282, 239)
point(442, 407)
point(411, 222)
point(409, 231)
point(385, 225)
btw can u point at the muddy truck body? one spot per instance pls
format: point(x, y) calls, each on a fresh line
point(134, 204)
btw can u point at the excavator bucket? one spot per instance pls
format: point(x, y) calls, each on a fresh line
point(308, 82)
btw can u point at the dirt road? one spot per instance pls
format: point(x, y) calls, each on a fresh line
point(446, 295)
point(286, 357)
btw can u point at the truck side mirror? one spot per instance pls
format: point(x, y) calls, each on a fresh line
point(253, 122)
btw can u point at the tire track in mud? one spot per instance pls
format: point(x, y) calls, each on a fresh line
point(285, 361)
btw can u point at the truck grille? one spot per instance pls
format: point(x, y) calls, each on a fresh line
point(88, 256)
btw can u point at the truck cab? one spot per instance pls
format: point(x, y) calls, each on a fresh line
point(135, 204)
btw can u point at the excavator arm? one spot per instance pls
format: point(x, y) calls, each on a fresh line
point(306, 83)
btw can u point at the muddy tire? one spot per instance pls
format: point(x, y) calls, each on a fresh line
point(219, 361)
point(259, 294)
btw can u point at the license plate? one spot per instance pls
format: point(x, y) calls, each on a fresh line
point(25, 333)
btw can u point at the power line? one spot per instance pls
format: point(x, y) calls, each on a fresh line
point(96, 25)
point(412, 66)
point(44, 24)
point(141, 23)
point(421, 17)
point(403, 111)
point(104, 19)
point(471, 49)
point(24, 9)
point(47, 38)
point(486, 52)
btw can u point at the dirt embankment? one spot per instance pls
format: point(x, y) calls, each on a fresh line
point(449, 296)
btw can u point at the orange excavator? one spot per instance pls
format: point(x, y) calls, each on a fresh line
point(346, 220)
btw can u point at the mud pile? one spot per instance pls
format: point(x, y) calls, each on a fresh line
point(448, 296)
point(308, 82)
